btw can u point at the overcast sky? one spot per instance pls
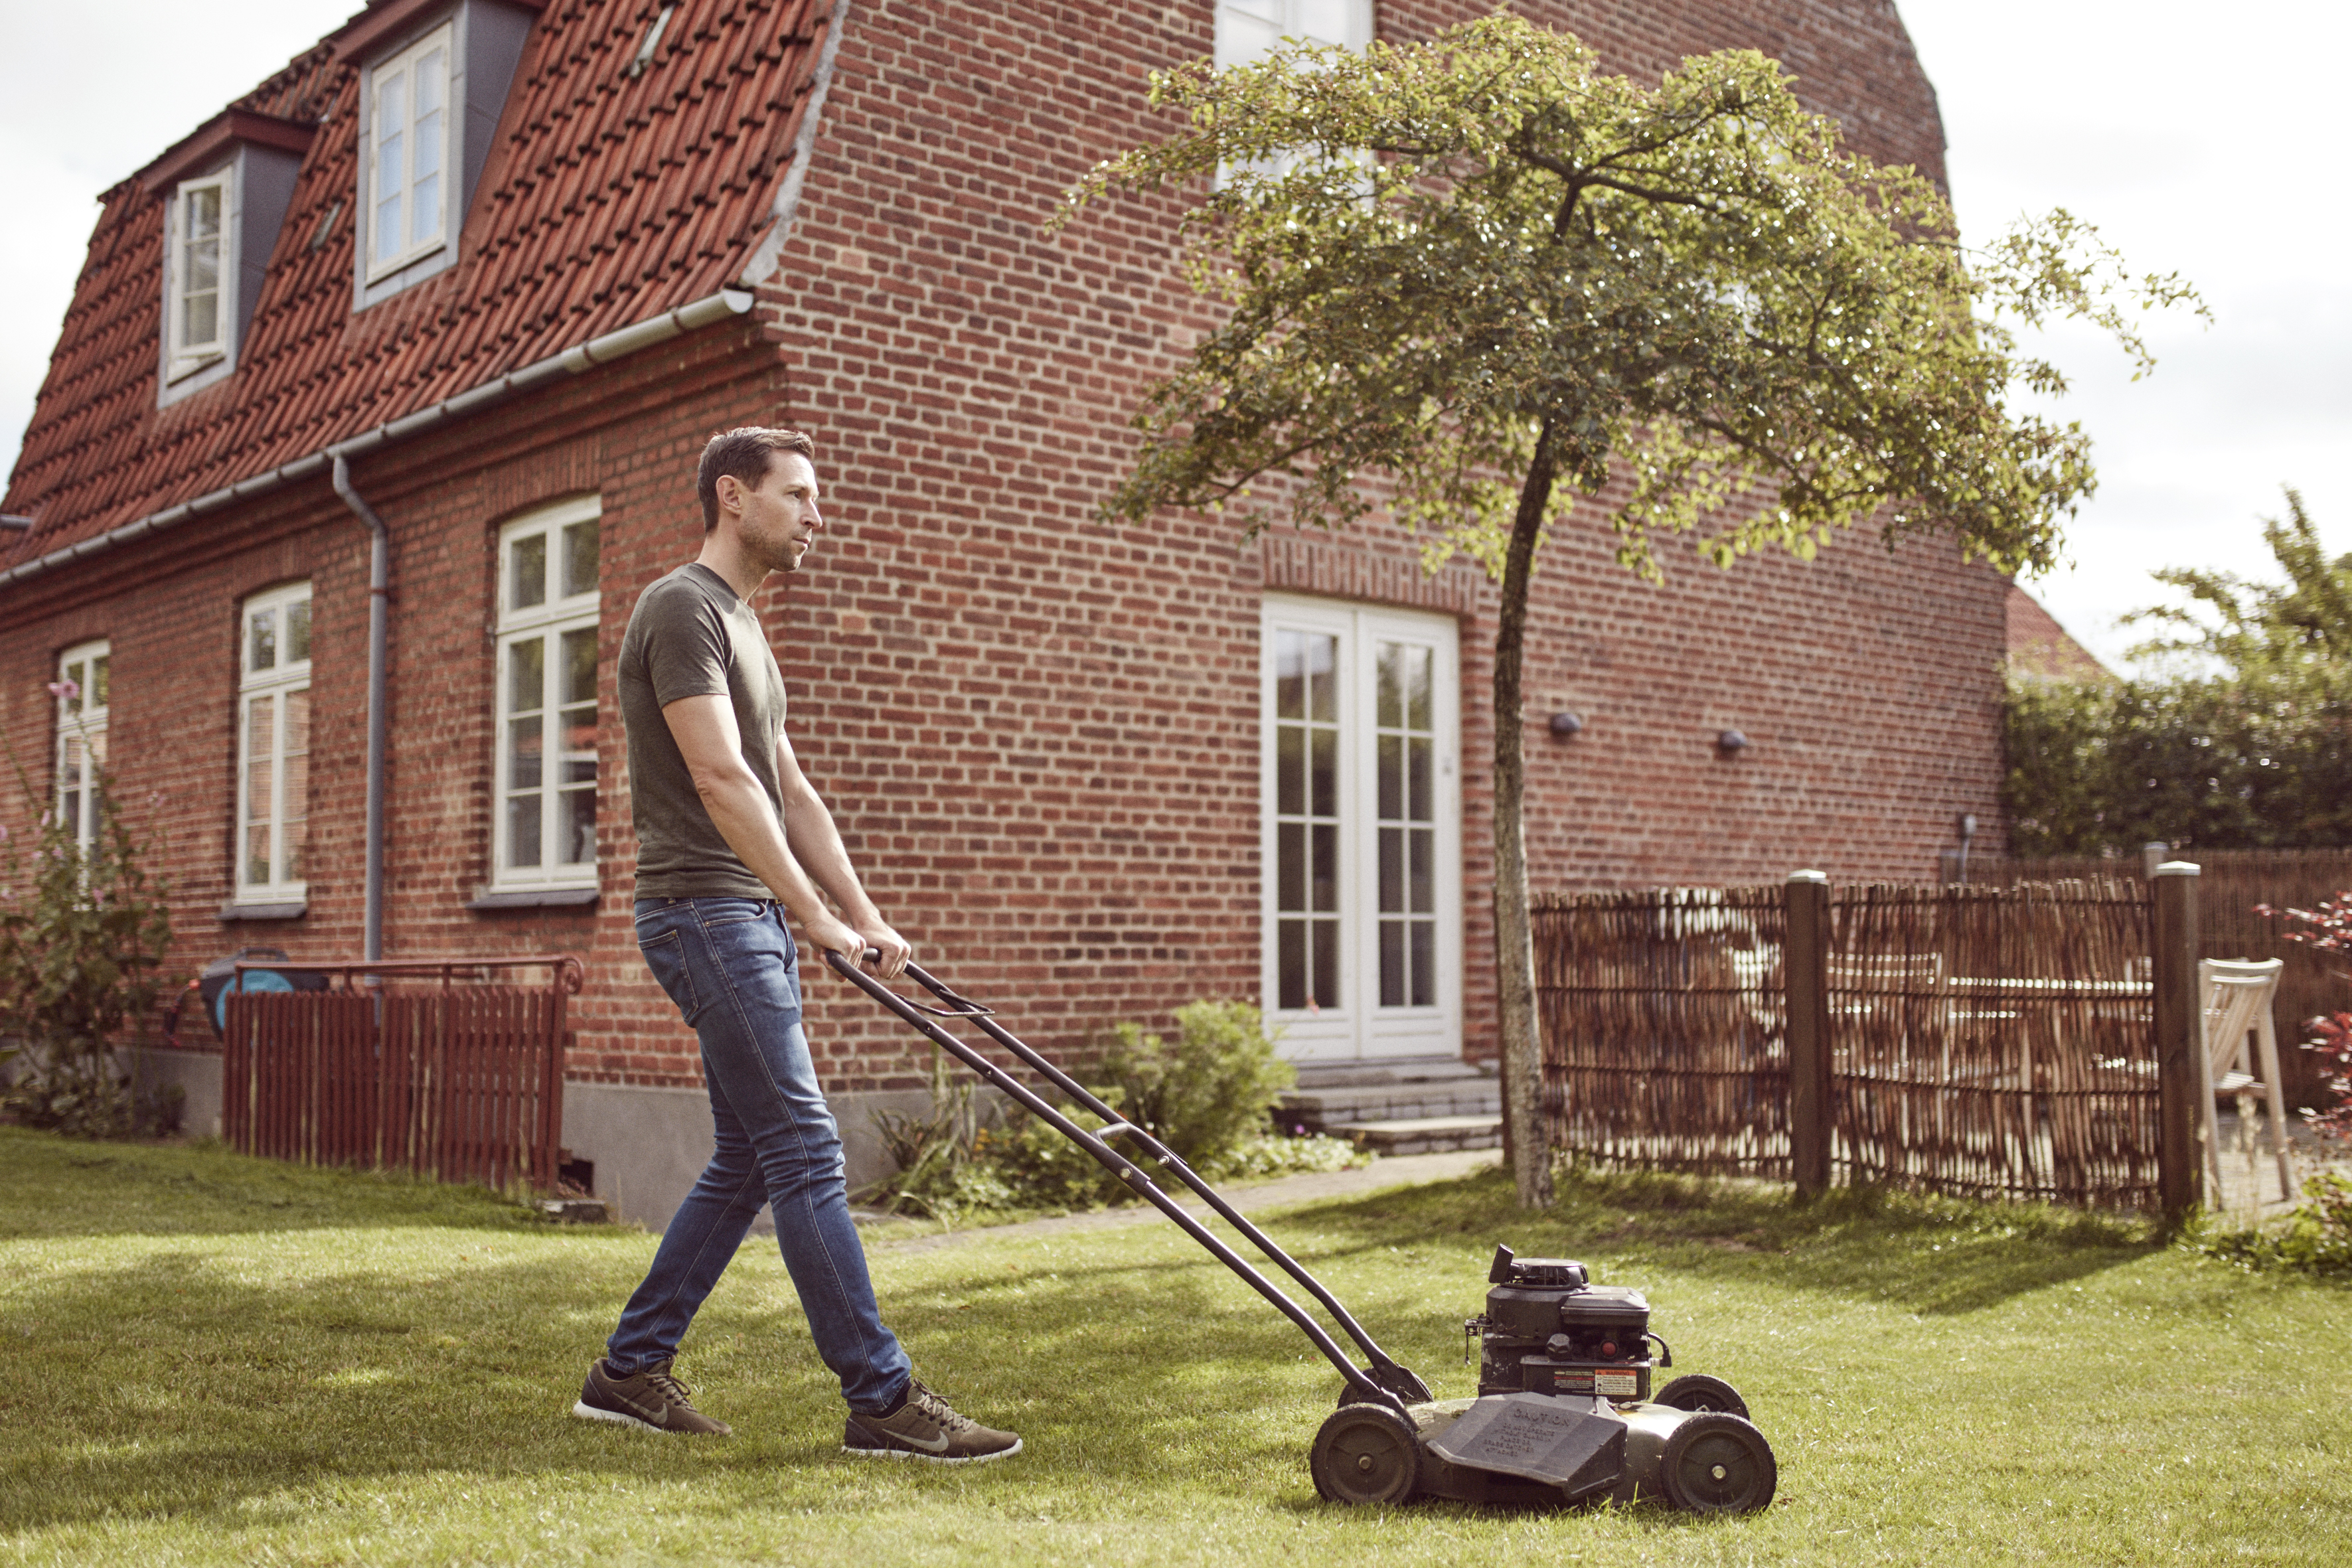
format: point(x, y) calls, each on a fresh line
point(2201, 141)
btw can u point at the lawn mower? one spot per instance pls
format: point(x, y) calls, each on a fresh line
point(1565, 1412)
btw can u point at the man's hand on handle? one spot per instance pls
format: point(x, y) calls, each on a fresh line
point(835, 935)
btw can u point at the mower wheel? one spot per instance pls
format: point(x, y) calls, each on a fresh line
point(1699, 1392)
point(1718, 1463)
point(1365, 1454)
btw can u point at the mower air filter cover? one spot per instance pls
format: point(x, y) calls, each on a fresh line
point(1606, 1307)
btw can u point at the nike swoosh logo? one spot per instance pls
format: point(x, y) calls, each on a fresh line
point(936, 1446)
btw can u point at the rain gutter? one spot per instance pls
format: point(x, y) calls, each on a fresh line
point(613, 345)
point(336, 459)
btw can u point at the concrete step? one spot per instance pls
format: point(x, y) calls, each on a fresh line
point(1424, 1134)
point(1321, 1109)
point(1388, 1070)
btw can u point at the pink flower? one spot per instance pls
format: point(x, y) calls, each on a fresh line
point(64, 689)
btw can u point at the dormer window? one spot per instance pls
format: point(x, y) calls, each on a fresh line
point(409, 157)
point(432, 83)
point(223, 193)
point(200, 273)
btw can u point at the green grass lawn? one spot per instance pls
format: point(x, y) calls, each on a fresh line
point(208, 1358)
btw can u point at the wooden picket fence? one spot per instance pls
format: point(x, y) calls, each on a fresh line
point(1990, 1042)
point(423, 1066)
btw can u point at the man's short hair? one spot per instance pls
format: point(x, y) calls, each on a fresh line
point(746, 454)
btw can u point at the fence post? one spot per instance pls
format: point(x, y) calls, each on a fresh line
point(2179, 1043)
point(1806, 972)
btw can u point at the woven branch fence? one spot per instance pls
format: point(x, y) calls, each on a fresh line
point(1664, 1028)
point(2233, 882)
point(1990, 1042)
point(1996, 1042)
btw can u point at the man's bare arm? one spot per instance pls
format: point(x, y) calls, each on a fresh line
point(815, 843)
point(707, 738)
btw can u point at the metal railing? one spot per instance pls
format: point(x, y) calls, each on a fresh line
point(417, 1064)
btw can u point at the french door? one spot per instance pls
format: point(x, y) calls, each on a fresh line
point(1360, 808)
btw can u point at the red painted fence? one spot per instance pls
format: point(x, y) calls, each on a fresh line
point(419, 1065)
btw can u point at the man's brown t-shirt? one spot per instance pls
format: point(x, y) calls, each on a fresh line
point(689, 636)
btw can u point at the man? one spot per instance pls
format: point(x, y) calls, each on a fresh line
point(731, 837)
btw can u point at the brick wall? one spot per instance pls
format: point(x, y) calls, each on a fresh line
point(1042, 733)
point(1039, 734)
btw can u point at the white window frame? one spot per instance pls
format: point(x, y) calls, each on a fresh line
point(547, 624)
point(283, 678)
point(1359, 1028)
point(184, 359)
point(378, 265)
point(82, 735)
point(1249, 30)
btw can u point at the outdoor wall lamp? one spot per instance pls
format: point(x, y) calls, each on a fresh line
point(1565, 725)
point(1731, 743)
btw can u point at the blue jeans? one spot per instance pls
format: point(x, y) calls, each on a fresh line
point(730, 965)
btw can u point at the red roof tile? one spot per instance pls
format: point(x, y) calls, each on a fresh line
point(606, 200)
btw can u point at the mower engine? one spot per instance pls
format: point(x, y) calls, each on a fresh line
point(1564, 1412)
point(1548, 1329)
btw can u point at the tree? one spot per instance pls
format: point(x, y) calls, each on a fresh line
point(2294, 632)
point(1484, 272)
point(2244, 742)
point(83, 934)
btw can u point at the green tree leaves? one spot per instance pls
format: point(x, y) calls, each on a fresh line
point(2247, 745)
point(1438, 256)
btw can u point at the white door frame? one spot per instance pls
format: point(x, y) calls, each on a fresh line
point(1357, 1027)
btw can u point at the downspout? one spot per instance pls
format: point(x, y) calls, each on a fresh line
point(379, 591)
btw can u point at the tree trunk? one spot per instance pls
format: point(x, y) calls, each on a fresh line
point(1526, 1138)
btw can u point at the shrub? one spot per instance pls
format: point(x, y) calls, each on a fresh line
point(2316, 1238)
point(82, 939)
point(1204, 1094)
point(2330, 929)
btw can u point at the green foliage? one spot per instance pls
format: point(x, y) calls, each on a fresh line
point(2316, 1238)
point(2291, 633)
point(82, 940)
point(1206, 1091)
point(1206, 1094)
point(1454, 263)
point(2251, 747)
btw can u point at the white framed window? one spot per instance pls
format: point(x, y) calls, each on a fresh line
point(1248, 30)
point(1361, 830)
point(83, 692)
point(544, 832)
point(406, 162)
point(273, 745)
point(203, 272)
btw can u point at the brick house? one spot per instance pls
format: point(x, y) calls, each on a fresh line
point(490, 272)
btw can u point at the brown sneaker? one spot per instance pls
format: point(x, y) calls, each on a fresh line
point(652, 1399)
point(925, 1428)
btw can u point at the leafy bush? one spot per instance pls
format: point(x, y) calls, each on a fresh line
point(2247, 743)
point(2316, 1239)
point(1204, 1094)
point(82, 939)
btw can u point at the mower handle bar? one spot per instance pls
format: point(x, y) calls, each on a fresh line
point(1362, 1386)
point(1159, 1151)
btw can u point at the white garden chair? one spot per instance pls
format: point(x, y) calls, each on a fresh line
point(2240, 1055)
